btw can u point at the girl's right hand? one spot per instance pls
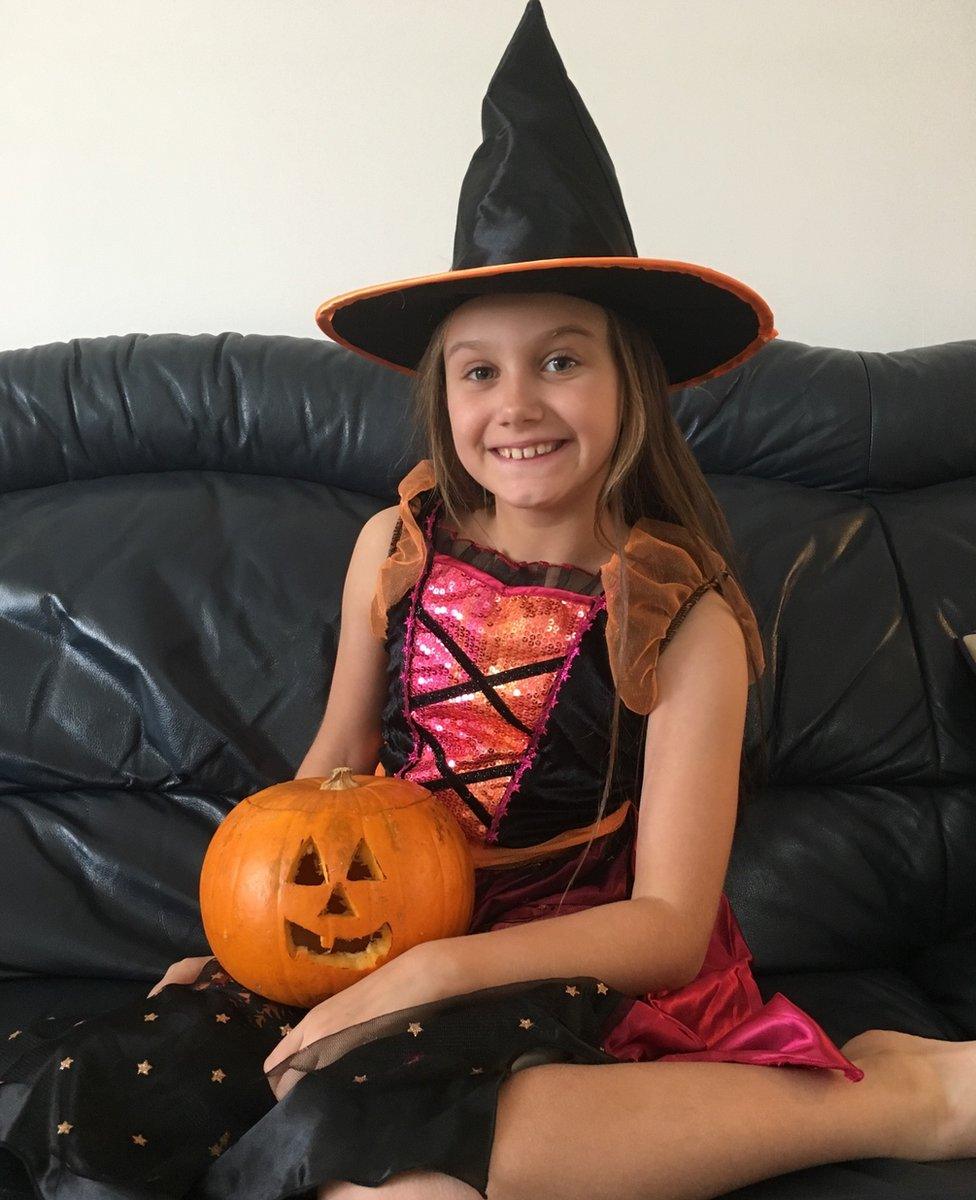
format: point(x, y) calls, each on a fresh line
point(187, 970)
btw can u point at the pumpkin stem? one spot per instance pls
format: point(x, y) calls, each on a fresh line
point(340, 779)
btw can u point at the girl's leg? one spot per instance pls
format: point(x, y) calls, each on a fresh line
point(408, 1185)
point(693, 1131)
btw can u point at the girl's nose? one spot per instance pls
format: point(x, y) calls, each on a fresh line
point(517, 395)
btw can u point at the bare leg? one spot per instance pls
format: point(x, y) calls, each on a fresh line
point(692, 1131)
point(408, 1185)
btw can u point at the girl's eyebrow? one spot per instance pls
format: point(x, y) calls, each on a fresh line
point(543, 337)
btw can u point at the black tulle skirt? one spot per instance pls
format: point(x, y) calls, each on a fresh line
point(180, 1106)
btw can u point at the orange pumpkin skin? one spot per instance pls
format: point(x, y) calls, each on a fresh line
point(311, 884)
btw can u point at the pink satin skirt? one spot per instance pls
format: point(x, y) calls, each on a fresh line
point(718, 1017)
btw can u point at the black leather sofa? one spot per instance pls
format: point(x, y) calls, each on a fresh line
point(177, 516)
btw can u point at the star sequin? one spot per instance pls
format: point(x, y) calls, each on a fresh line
point(65, 1064)
point(285, 1030)
point(65, 1127)
point(245, 995)
point(139, 1139)
point(359, 1078)
point(144, 1067)
point(572, 990)
point(16, 1033)
point(149, 1016)
point(477, 1070)
point(527, 1023)
point(223, 1018)
point(220, 1144)
point(415, 1028)
point(218, 1076)
point(602, 989)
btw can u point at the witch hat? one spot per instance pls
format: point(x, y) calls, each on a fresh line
point(540, 210)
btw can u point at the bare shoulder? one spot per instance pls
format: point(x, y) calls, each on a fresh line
point(708, 641)
point(378, 530)
point(371, 550)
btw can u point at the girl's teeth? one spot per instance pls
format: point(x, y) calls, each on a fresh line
point(529, 452)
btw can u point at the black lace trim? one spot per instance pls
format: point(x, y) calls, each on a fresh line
point(688, 604)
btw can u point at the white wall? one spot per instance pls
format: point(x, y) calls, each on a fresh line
point(208, 165)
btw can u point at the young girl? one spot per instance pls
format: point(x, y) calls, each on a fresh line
point(555, 643)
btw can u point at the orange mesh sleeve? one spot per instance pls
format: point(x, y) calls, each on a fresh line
point(400, 570)
point(664, 581)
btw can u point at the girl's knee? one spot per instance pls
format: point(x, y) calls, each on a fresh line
point(407, 1185)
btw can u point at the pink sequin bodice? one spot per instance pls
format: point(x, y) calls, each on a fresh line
point(482, 649)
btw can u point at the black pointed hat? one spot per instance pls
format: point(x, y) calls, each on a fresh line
point(541, 211)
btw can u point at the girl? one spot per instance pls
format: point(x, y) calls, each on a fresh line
point(547, 633)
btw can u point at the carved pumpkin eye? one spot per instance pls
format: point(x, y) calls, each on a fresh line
point(364, 864)
point(310, 871)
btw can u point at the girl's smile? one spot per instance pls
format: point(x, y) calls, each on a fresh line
point(535, 459)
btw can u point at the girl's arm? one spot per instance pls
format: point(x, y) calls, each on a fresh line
point(659, 937)
point(350, 731)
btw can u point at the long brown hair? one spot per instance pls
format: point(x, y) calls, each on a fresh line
point(652, 473)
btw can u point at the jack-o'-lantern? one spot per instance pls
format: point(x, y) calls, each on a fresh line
point(311, 884)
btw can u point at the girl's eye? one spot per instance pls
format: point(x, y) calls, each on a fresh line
point(555, 358)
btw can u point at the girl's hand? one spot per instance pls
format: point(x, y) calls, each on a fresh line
point(185, 971)
point(410, 978)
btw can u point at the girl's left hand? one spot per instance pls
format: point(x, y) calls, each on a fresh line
point(410, 978)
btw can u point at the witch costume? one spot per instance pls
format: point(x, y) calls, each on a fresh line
point(501, 677)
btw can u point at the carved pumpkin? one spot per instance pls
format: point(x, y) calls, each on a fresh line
point(311, 884)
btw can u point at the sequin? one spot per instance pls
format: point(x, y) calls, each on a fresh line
point(525, 633)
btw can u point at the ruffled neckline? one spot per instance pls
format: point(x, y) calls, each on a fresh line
point(457, 536)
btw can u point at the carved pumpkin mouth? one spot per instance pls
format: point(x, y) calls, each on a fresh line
point(344, 952)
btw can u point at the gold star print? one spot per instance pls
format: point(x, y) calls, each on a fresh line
point(477, 1070)
point(65, 1064)
point(139, 1139)
point(415, 1028)
point(65, 1127)
point(246, 995)
point(602, 989)
point(285, 1030)
point(359, 1078)
point(571, 990)
point(16, 1033)
point(144, 1067)
point(220, 1144)
point(217, 1076)
point(527, 1023)
point(149, 1016)
point(222, 1018)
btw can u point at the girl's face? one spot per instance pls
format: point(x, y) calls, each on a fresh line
point(529, 381)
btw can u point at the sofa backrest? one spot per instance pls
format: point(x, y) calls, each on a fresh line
point(178, 513)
